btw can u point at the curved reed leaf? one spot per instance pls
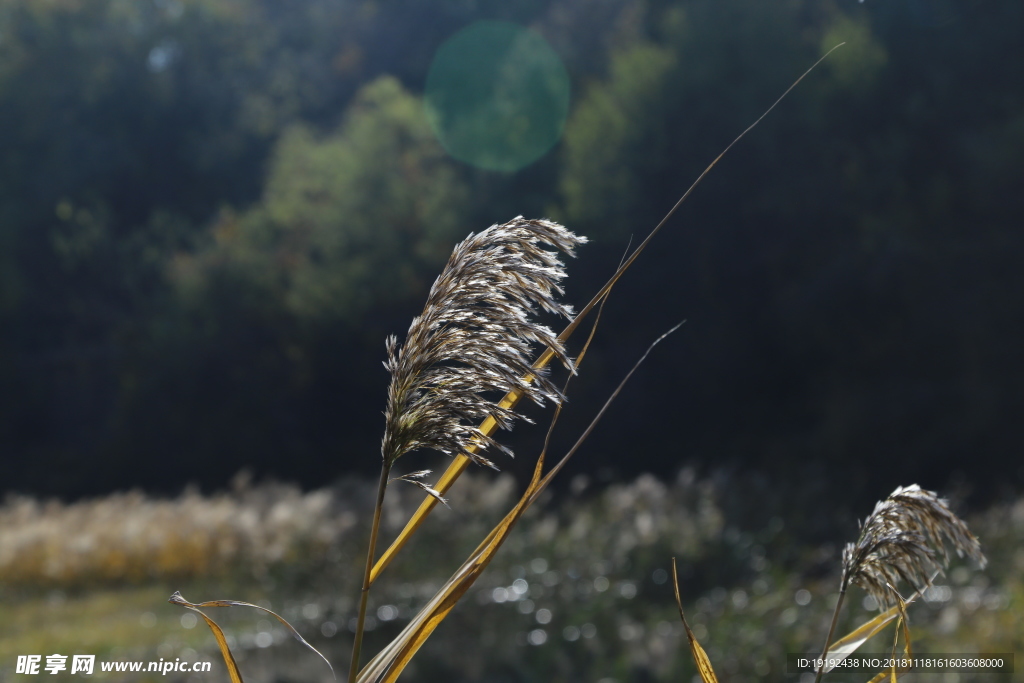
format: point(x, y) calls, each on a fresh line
point(218, 634)
point(178, 599)
point(700, 658)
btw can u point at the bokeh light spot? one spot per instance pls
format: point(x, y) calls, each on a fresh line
point(497, 96)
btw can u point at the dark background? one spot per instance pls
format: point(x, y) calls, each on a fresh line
point(212, 212)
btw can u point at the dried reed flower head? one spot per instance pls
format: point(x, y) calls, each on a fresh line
point(474, 337)
point(905, 538)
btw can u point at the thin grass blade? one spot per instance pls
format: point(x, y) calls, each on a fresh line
point(902, 625)
point(700, 658)
point(895, 643)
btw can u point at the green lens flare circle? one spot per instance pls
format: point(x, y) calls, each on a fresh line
point(497, 96)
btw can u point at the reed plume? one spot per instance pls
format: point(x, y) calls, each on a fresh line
point(472, 339)
point(905, 537)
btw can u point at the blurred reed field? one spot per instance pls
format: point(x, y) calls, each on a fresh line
point(581, 590)
point(131, 538)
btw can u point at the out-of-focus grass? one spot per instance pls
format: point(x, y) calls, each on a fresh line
point(113, 624)
point(580, 592)
point(131, 538)
point(97, 622)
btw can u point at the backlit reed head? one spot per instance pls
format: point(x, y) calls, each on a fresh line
point(906, 538)
point(474, 339)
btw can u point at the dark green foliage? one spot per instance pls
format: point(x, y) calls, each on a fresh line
point(205, 233)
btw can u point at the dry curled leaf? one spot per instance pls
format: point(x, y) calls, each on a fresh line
point(178, 599)
point(218, 634)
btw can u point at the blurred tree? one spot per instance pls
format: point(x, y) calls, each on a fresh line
point(363, 217)
point(603, 166)
point(270, 344)
point(812, 282)
point(671, 101)
point(124, 127)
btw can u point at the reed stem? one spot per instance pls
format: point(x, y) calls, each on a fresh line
point(831, 630)
point(364, 595)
